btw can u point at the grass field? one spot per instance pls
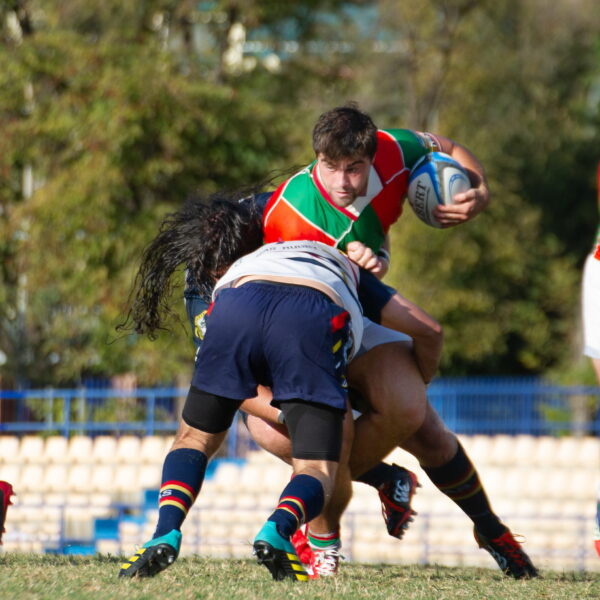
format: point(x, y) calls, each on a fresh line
point(33, 577)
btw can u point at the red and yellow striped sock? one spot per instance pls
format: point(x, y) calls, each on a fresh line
point(182, 476)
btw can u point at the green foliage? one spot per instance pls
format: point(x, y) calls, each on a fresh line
point(112, 112)
point(512, 81)
point(116, 128)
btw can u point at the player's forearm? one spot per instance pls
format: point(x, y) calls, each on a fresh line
point(403, 315)
point(471, 163)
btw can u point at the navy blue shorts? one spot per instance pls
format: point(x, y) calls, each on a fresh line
point(291, 338)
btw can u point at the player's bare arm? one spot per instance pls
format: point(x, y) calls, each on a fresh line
point(426, 332)
point(469, 204)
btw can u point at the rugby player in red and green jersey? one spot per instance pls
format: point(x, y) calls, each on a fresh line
point(352, 194)
point(349, 197)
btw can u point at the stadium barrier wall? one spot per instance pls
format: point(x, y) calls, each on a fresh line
point(470, 406)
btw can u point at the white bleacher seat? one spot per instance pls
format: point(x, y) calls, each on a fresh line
point(31, 449)
point(80, 478)
point(257, 477)
point(104, 450)
point(56, 449)
point(100, 499)
point(525, 507)
point(535, 484)
point(79, 523)
point(126, 477)
point(78, 499)
point(31, 478)
point(514, 480)
point(112, 547)
point(80, 449)
point(503, 451)
point(128, 449)
point(55, 498)
point(524, 448)
point(102, 479)
point(226, 476)
point(549, 507)
point(568, 453)
point(55, 478)
point(9, 449)
point(582, 484)
point(478, 447)
point(492, 478)
point(130, 529)
point(590, 453)
point(244, 501)
point(153, 449)
point(34, 498)
point(545, 451)
point(12, 473)
point(149, 476)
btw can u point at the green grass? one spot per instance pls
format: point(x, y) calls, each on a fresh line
point(33, 577)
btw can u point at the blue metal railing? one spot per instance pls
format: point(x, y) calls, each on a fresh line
point(468, 406)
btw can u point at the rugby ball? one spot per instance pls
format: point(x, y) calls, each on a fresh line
point(435, 179)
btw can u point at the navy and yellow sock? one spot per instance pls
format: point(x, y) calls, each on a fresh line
point(301, 500)
point(459, 480)
point(182, 477)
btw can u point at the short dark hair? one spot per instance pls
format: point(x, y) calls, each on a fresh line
point(345, 132)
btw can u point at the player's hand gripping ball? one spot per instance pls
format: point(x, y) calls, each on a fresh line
point(435, 180)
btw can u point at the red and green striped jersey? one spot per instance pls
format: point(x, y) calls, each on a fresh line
point(301, 209)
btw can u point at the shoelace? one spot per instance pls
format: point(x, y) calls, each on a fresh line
point(326, 561)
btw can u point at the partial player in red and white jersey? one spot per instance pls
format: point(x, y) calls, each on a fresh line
point(591, 298)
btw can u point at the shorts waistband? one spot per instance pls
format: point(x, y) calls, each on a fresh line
point(283, 284)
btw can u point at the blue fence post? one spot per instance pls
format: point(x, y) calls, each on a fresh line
point(81, 408)
point(67, 414)
point(49, 407)
point(150, 408)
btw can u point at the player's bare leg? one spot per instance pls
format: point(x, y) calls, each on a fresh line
point(388, 378)
point(446, 463)
point(390, 382)
point(194, 447)
point(324, 531)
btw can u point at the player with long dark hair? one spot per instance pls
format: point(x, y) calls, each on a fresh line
point(285, 316)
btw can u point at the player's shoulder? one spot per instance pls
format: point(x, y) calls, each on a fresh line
point(410, 143)
point(297, 189)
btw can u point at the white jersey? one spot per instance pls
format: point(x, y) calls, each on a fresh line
point(307, 261)
point(591, 304)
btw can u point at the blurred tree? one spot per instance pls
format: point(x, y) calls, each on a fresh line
point(112, 112)
point(511, 81)
point(111, 115)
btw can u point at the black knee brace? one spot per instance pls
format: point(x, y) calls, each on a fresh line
point(208, 412)
point(315, 430)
